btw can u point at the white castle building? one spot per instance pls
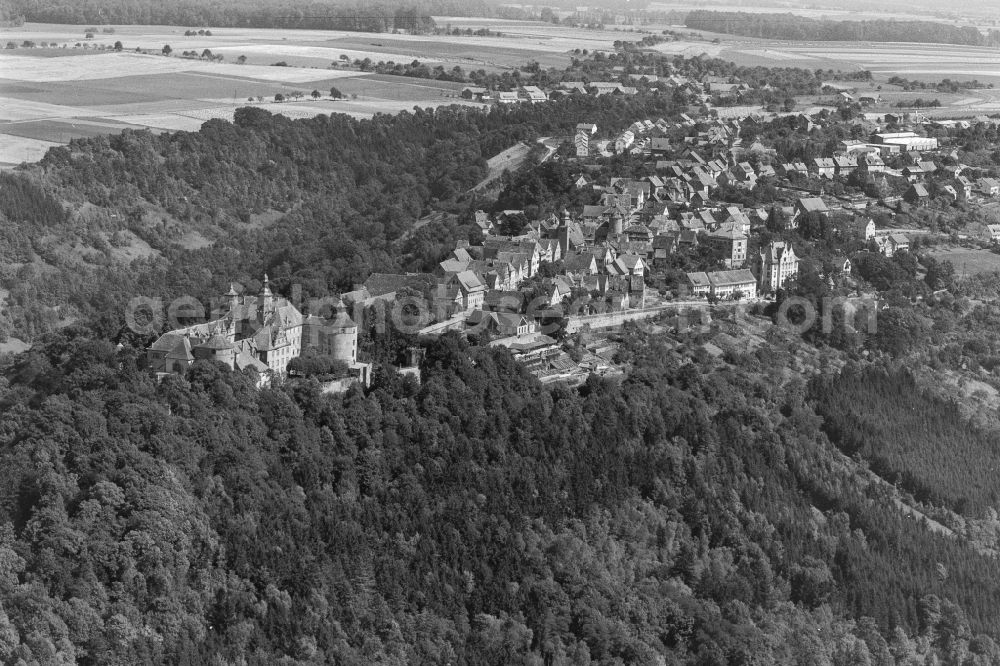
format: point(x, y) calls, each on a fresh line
point(263, 333)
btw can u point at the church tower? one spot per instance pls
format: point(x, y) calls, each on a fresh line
point(562, 233)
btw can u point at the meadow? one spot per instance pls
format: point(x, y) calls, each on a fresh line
point(969, 261)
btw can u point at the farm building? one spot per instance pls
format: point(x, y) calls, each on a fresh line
point(907, 140)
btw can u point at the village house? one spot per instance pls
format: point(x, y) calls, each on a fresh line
point(845, 165)
point(500, 323)
point(659, 146)
point(794, 170)
point(736, 284)
point(916, 195)
point(532, 94)
point(914, 172)
point(988, 187)
point(824, 167)
point(573, 87)
point(963, 186)
point(861, 228)
point(474, 92)
point(892, 243)
point(700, 284)
point(580, 263)
point(501, 97)
point(664, 245)
point(734, 243)
point(470, 288)
point(483, 221)
point(603, 87)
point(807, 205)
point(627, 264)
point(624, 141)
point(871, 163)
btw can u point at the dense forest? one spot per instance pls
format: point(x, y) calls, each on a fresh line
point(305, 14)
point(477, 518)
point(794, 27)
point(934, 453)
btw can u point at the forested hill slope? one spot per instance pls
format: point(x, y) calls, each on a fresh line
point(383, 16)
point(797, 27)
point(477, 519)
point(321, 202)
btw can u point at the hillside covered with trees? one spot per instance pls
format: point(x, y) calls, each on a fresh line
point(796, 27)
point(302, 14)
point(478, 518)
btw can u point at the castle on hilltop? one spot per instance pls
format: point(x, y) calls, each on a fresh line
point(262, 333)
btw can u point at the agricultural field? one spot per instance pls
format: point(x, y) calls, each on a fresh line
point(918, 62)
point(824, 13)
point(76, 87)
point(912, 61)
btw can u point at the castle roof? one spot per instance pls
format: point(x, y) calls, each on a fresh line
point(181, 350)
point(217, 343)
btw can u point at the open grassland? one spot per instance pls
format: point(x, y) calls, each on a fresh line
point(969, 261)
point(51, 95)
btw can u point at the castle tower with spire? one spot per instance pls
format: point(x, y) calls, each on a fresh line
point(265, 302)
point(232, 297)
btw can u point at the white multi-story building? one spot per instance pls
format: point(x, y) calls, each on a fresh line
point(778, 263)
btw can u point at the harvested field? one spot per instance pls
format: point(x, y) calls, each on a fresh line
point(15, 149)
point(399, 88)
point(45, 130)
point(52, 95)
point(47, 100)
point(116, 65)
point(16, 109)
point(326, 53)
point(914, 61)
